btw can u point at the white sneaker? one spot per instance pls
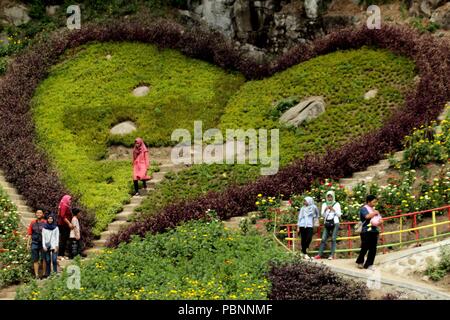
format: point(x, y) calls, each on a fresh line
point(307, 257)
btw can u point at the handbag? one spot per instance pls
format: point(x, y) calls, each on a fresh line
point(329, 223)
point(358, 227)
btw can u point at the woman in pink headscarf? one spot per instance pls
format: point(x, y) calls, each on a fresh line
point(64, 223)
point(140, 164)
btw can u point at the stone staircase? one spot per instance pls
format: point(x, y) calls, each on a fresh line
point(8, 293)
point(26, 214)
point(372, 172)
point(122, 218)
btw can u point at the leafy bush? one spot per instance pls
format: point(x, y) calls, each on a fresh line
point(426, 145)
point(15, 260)
point(422, 105)
point(184, 88)
point(310, 281)
point(342, 78)
point(437, 271)
point(197, 260)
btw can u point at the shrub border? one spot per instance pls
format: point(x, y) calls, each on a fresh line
point(29, 169)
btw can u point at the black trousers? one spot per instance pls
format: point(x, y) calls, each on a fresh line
point(368, 244)
point(136, 185)
point(64, 233)
point(306, 235)
point(74, 248)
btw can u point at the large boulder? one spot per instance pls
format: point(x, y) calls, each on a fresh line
point(123, 128)
point(16, 15)
point(441, 16)
point(306, 110)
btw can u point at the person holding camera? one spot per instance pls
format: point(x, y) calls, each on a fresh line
point(331, 212)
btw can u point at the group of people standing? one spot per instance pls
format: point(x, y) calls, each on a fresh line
point(308, 219)
point(51, 236)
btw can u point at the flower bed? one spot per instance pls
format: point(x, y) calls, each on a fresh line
point(15, 263)
point(197, 260)
point(422, 105)
point(24, 74)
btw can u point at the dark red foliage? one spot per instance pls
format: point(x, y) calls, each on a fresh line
point(29, 170)
point(310, 281)
point(422, 105)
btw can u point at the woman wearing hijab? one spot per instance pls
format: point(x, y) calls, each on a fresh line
point(308, 212)
point(50, 242)
point(64, 223)
point(140, 164)
point(331, 212)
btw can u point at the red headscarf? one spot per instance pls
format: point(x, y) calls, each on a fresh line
point(64, 209)
point(139, 147)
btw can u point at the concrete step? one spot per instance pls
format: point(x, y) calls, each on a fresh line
point(93, 251)
point(377, 167)
point(99, 243)
point(7, 295)
point(135, 200)
point(22, 208)
point(124, 215)
point(16, 198)
point(384, 162)
point(117, 225)
point(154, 182)
point(106, 234)
point(29, 215)
point(131, 206)
point(363, 175)
point(158, 175)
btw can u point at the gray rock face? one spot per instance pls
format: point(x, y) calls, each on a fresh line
point(306, 110)
point(424, 7)
point(123, 128)
point(312, 8)
point(441, 16)
point(141, 91)
point(16, 15)
point(218, 13)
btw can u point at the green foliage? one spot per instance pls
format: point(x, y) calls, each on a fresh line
point(426, 145)
point(424, 25)
point(197, 260)
point(283, 105)
point(3, 65)
point(14, 257)
point(342, 78)
point(438, 271)
point(73, 120)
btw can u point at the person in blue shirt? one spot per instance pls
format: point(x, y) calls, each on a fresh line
point(308, 212)
point(369, 234)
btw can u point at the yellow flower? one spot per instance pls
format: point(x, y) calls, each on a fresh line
point(260, 195)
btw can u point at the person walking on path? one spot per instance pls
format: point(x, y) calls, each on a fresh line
point(64, 223)
point(308, 212)
point(140, 165)
point(50, 243)
point(370, 219)
point(35, 242)
point(331, 212)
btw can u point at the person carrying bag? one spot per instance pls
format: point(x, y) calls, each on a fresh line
point(331, 212)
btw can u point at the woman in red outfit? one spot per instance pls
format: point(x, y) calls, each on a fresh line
point(140, 164)
point(64, 223)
